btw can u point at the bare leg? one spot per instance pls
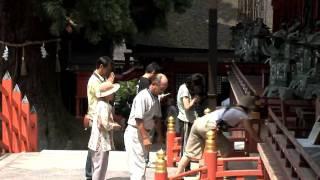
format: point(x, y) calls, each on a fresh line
point(184, 161)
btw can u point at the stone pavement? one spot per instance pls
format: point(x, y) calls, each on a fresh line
point(61, 165)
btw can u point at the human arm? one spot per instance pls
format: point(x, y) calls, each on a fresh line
point(106, 121)
point(144, 134)
point(248, 127)
point(188, 104)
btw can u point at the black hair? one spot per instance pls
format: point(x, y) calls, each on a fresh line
point(195, 84)
point(198, 79)
point(153, 67)
point(104, 61)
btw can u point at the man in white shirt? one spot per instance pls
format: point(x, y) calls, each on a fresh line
point(144, 116)
point(103, 69)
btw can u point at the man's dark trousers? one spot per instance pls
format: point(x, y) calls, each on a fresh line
point(88, 168)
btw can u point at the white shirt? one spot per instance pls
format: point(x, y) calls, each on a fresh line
point(232, 116)
point(145, 106)
point(185, 115)
point(102, 140)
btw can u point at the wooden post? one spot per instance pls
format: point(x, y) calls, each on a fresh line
point(6, 88)
point(171, 134)
point(33, 129)
point(16, 120)
point(161, 168)
point(213, 53)
point(25, 125)
point(251, 144)
point(210, 155)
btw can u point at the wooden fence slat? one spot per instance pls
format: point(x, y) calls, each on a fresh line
point(282, 139)
point(25, 124)
point(6, 88)
point(34, 130)
point(16, 119)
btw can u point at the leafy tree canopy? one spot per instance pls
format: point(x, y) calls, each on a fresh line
point(111, 19)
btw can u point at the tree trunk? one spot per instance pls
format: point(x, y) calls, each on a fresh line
point(19, 23)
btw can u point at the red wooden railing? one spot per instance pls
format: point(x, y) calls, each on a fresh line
point(239, 82)
point(288, 158)
point(241, 86)
point(213, 165)
point(298, 163)
point(173, 144)
point(19, 124)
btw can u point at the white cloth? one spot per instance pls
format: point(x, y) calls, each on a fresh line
point(102, 140)
point(136, 154)
point(99, 164)
point(93, 85)
point(145, 106)
point(185, 115)
point(232, 117)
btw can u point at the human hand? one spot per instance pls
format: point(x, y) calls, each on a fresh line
point(147, 144)
point(196, 98)
point(111, 77)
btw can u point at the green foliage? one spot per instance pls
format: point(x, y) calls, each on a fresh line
point(124, 97)
point(57, 13)
point(150, 14)
point(110, 19)
point(180, 6)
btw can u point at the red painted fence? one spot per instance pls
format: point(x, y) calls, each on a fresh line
point(19, 123)
point(214, 166)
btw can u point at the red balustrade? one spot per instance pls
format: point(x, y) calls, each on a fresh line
point(173, 144)
point(213, 165)
point(19, 125)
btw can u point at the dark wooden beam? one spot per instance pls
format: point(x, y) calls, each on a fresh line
point(213, 55)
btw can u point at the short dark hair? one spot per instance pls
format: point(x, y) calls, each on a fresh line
point(104, 61)
point(195, 84)
point(153, 67)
